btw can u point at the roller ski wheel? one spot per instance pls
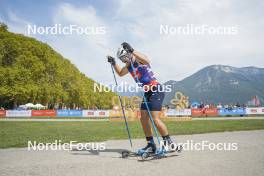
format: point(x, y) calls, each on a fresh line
point(157, 155)
point(179, 148)
point(144, 156)
point(125, 154)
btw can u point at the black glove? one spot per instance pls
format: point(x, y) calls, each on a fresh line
point(127, 47)
point(111, 60)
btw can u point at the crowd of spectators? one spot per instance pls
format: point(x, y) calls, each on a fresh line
point(219, 106)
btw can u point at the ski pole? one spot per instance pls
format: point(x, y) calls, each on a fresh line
point(123, 111)
point(145, 102)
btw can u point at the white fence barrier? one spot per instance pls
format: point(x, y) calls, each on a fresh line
point(95, 113)
point(255, 111)
point(18, 113)
point(182, 112)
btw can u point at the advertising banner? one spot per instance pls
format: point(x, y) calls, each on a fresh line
point(95, 113)
point(18, 113)
point(44, 113)
point(197, 112)
point(69, 113)
point(255, 111)
point(2, 113)
point(211, 111)
point(102, 113)
point(205, 112)
point(237, 111)
point(174, 112)
point(88, 113)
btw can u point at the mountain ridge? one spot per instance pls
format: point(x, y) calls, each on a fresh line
point(220, 83)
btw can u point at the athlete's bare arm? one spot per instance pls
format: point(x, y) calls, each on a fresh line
point(121, 71)
point(143, 59)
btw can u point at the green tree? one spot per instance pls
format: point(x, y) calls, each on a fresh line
point(31, 71)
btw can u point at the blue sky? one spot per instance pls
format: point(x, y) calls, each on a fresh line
point(40, 12)
point(138, 22)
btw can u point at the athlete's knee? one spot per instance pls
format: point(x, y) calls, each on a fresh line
point(144, 116)
point(156, 120)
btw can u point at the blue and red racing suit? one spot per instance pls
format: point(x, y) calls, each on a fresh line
point(146, 77)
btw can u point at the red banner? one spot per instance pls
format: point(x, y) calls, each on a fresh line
point(205, 112)
point(2, 113)
point(197, 112)
point(211, 112)
point(49, 113)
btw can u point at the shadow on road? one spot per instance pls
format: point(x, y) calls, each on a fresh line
point(119, 151)
point(97, 152)
point(151, 158)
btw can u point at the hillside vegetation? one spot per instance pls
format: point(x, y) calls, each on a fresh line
point(31, 71)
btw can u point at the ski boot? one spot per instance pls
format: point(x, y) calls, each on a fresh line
point(170, 146)
point(146, 151)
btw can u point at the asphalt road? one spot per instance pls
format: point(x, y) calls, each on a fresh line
point(248, 159)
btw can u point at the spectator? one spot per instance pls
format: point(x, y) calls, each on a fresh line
point(230, 107)
point(201, 105)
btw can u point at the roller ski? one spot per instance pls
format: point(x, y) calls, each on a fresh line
point(144, 153)
point(151, 151)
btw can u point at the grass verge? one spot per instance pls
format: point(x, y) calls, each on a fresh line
point(17, 134)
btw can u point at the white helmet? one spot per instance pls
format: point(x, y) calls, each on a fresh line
point(121, 54)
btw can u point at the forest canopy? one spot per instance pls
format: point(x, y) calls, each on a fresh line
point(31, 71)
